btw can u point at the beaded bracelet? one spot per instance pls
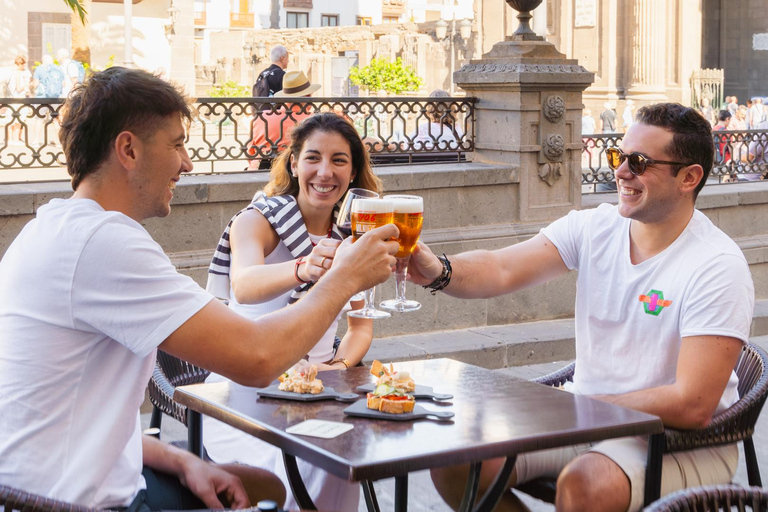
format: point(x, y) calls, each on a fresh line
point(444, 278)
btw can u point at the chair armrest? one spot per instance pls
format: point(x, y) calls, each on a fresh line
point(738, 421)
point(721, 497)
point(15, 499)
point(161, 395)
point(557, 378)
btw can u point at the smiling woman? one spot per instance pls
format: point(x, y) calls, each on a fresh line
point(271, 254)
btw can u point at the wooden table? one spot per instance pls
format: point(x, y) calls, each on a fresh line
point(496, 416)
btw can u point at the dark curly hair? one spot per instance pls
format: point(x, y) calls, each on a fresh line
point(108, 103)
point(691, 135)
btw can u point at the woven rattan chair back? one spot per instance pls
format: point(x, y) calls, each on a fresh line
point(170, 372)
point(713, 499)
point(14, 499)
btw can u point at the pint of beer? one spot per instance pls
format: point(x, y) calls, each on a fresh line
point(408, 217)
point(370, 213)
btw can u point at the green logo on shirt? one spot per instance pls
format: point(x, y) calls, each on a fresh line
point(654, 302)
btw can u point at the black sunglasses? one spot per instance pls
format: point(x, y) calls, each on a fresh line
point(637, 161)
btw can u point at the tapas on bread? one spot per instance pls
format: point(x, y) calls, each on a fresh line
point(305, 381)
point(399, 380)
point(391, 392)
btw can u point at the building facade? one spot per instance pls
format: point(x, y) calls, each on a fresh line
point(644, 50)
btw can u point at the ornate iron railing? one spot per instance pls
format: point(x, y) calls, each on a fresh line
point(394, 129)
point(738, 156)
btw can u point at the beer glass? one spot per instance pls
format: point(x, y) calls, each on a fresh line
point(367, 214)
point(408, 217)
point(344, 219)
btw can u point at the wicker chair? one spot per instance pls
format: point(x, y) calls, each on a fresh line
point(14, 499)
point(737, 423)
point(170, 372)
point(17, 500)
point(712, 499)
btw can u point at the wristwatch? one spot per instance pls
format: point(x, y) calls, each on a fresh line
point(339, 360)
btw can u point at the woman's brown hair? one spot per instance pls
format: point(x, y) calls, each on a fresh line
point(281, 179)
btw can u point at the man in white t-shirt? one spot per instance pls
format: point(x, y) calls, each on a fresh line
point(88, 296)
point(663, 307)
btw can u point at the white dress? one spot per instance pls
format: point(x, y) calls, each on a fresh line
point(226, 444)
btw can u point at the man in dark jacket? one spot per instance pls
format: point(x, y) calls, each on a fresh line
point(270, 80)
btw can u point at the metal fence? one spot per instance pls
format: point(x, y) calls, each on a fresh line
point(396, 130)
point(738, 157)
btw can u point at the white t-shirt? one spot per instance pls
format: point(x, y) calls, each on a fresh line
point(86, 298)
point(630, 319)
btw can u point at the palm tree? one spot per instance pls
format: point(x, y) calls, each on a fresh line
point(77, 8)
point(81, 30)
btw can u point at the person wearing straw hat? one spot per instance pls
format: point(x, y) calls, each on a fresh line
point(272, 127)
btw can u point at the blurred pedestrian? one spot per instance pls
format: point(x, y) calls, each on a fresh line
point(706, 110)
point(608, 118)
point(628, 116)
point(739, 119)
point(19, 87)
point(723, 148)
point(588, 123)
point(441, 131)
point(756, 113)
point(48, 79)
point(270, 81)
point(272, 129)
point(74, 71)
point(733, 106)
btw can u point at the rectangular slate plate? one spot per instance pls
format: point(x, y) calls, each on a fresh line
point(419, 392)
point(326, 394)
point(361, 409)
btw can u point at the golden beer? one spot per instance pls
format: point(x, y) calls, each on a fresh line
point(370, 213)
point(408, 217)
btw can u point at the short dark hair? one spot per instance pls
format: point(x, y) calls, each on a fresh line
point(691, 135)
point(108, 103)
point(281, 179)
point(723, 115)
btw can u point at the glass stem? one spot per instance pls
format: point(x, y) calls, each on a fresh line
point(401, 271)
point(369, 294)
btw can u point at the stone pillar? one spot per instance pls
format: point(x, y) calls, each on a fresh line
point(649, 31)
point(182, 68)
point(528, 115)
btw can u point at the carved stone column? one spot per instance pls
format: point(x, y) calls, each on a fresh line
point(649, 34)
point(528, 115)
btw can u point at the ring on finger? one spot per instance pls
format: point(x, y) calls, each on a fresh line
point(322, 262)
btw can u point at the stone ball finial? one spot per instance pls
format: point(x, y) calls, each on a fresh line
point(524, 7)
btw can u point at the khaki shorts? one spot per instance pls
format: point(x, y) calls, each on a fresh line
point(707, 466)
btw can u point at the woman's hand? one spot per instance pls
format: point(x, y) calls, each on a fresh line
point(319, 260)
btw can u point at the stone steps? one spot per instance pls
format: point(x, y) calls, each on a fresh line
point(505, 346)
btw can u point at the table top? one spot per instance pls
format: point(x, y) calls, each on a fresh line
point(496, 415)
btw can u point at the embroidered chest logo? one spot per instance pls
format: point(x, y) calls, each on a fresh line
point(654, 302)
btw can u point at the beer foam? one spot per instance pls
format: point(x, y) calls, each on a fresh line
point(407, 204)
point(372, 205)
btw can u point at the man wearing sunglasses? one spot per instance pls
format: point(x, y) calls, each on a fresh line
point(663, 307)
